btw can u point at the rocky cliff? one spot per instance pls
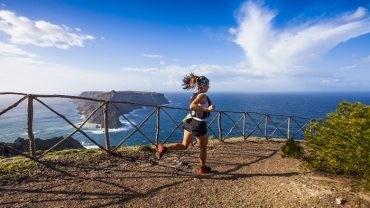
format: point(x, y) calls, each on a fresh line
point(86, 107)
point(22, 145)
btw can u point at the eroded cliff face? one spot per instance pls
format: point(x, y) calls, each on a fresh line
point(86, 107)
point(22, 145)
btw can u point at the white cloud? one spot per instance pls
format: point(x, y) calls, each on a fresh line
point(268, 51)
point(223, 78)
point(9, 50)
point(330, 81)
point(353, 66)
point(22, 75)
point(362, 63)
point(19, 75)
point(358, 14)
point(153, 56)
point(365, 60)
point(40, 33)
point(273, 52)
point(54, 78)
point(140, 70)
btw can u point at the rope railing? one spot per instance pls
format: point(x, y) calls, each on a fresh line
point(245, 124)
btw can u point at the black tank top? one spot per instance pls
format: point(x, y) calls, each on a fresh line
point(200, 114)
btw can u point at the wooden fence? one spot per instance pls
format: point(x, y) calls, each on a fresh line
point(258, 123)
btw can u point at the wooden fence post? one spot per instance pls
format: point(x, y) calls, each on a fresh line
point(158, 126)
point(31, 137)
point(244, 125)
point(106, 127)
point(219, 126)
point(288, 131)
point(266, 120)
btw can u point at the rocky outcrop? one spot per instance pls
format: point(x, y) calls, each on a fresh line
point(86, 107)
point(22, 145)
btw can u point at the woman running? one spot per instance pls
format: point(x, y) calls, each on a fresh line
point(194, 123)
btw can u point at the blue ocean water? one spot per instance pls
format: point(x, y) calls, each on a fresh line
point(302, 106)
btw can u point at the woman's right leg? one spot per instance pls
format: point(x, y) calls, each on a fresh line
point(203, 141)
point(185, 142)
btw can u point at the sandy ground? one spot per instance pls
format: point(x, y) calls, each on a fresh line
point(245, 174)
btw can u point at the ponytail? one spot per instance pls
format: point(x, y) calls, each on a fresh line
point(189, 82)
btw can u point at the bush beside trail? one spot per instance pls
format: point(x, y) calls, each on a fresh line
point(341, 143)
point(292, 149)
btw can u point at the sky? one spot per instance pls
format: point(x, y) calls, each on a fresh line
point(67, 46)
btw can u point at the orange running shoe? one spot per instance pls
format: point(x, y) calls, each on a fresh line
point(160, 151)
point(205, 169)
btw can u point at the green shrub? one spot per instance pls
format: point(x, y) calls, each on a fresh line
point(341, 143)
point(16, 169)
point(292, 149)
point(145, 148)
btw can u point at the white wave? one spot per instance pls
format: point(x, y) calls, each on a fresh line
point(135, 112)
point(119, 129)
point(172, 103)
point(88, 145)
point(91, 146)
point(101, 130)
point(60, 128)
point(98, 131)
point(34, 132)
point(125, 122)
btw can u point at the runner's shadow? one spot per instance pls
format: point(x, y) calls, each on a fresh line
point(229, 175)
point(237, 176)
point(252, 162)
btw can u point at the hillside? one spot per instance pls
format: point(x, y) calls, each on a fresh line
point(245, 174)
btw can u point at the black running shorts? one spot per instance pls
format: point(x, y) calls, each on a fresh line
point(198, 128)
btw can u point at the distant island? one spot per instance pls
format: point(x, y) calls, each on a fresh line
point(86, 107)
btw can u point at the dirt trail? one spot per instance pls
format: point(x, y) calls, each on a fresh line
point(251, 174)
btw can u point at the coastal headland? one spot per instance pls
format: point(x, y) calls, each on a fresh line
point(133, 99)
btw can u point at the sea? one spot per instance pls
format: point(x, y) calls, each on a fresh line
point(264, 114)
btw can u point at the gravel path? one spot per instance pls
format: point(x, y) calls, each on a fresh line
point(251, 174)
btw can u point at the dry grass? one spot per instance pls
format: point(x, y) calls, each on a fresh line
point(245, 174)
